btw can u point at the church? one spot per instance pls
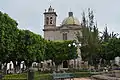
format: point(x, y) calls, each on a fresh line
point(66, 31)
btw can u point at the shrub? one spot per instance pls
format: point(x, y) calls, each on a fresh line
point(22, 76)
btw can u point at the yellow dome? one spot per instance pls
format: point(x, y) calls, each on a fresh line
point(70, 20)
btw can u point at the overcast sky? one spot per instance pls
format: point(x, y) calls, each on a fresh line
point(29, 13)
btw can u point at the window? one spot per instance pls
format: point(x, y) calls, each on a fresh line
point(47, 20)
point(50, 17)
point(64, 36)
point(51, 21)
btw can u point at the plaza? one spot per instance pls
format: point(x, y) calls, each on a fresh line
point(66, 46)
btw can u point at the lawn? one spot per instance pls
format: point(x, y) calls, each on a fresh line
point(42, 76)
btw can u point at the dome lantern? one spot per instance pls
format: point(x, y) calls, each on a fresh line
point(70, 14)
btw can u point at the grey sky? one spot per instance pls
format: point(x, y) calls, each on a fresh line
point(29, 13)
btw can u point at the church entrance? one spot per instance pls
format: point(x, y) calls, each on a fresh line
point(65, 64)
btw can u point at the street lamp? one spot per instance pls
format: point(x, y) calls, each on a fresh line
point(69, 45)
point(79, 58)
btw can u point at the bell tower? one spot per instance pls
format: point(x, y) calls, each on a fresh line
point(49, 23)
point(50, 18)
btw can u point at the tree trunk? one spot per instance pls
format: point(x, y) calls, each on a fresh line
point(57, 70)
point(18, 65)
point(15, 66)
point(5, 69)
point(52, 67)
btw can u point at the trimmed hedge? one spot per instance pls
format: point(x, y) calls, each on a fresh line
point(22, 76)
point(42, 76)
point(15, 79)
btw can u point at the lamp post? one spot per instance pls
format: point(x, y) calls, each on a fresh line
point(77, 61)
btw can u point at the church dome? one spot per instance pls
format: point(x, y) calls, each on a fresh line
point(71, 20)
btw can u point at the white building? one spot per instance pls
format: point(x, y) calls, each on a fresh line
point(66, 31)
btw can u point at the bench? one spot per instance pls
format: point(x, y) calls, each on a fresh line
point(62, 76)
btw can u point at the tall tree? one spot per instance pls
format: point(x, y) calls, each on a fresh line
point(105, 35)
point(8, 35)
point(30, 47)
point(108, 40)
point(89, 38)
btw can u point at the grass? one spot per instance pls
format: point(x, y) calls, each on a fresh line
point(42, 76)
point(82, 74)
point(22, 76)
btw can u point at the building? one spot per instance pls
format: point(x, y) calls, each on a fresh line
point(66, 31)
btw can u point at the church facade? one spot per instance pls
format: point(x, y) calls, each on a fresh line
point(66, 31)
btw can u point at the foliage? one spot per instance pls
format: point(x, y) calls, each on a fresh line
point(42, 76)
point(110, 50)
point(22, 76)
point(31, 46)
point(8, 35)
point(109, 47)
point(105, 36)
point(24, 45)
point(97, 49)
point(90, 38)
point(59, 51)
point(19, 45)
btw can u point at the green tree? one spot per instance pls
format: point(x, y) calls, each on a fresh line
point(30, 47)
point(8, 35)
point(59, 51)
point(89, 39)
point(109, 47)
point(105, 35)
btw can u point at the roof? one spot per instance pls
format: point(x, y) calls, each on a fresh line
point(70, 20)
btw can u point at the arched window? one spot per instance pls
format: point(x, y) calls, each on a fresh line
point(64, 36)
point(51, 20)
point(65, 64)
point(47, 20)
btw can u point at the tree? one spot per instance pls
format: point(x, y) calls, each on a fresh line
point(110, 47)
point(8, 35)
point(107, 48)
point(30, 47)
point(59, 51)
point(89, 39)
point(18, 45)
point(105, 35)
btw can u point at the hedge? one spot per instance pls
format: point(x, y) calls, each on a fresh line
point(42, 76)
